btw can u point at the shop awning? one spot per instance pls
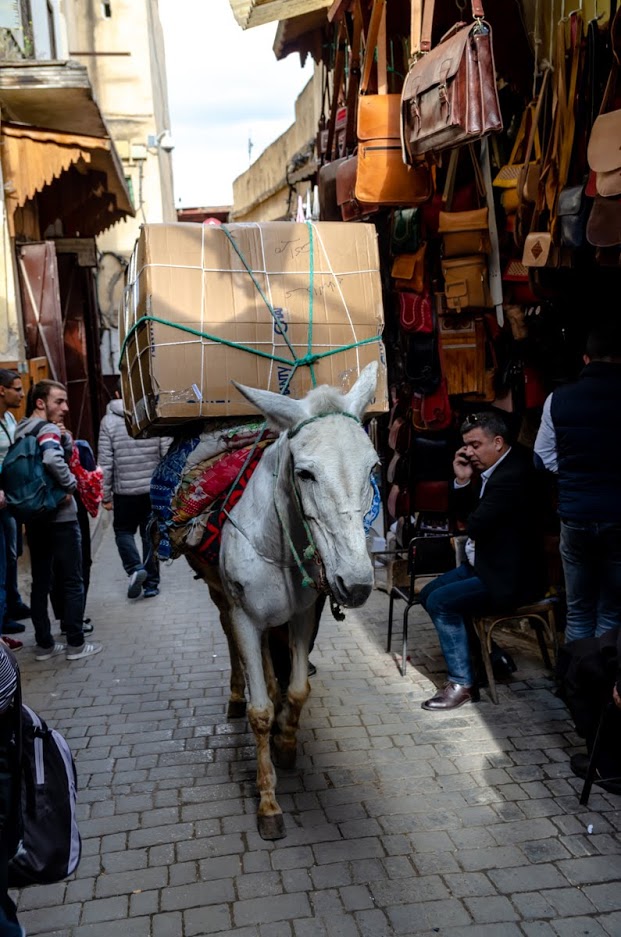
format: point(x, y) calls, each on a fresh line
point(303, 34)
point(34, 159)
point(250, 13)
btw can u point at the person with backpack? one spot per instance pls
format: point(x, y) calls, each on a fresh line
point(12, 607)
point(52, 526)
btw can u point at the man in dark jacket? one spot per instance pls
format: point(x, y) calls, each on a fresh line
point(579, 440)
point(496, 486)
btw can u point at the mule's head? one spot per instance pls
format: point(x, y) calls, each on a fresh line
point(331, 461)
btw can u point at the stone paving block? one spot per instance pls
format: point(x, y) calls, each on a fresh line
point(143, 903)
point(259, 884)
point(134, 927)
point(268, 910)
point(199, 921)
point(532, 905)
point(51, 918)
point(198, 894)
point(491, 909)
point(578, 927)
point(372, 924)
point(469, 884)
point(591, 870)
point(105, 909)
point(605, 897)
point(122, 883)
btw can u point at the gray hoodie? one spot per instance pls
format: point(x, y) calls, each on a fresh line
point(55, 451)
point(127, 463)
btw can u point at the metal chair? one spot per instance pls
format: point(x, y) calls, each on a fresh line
point(425, 559)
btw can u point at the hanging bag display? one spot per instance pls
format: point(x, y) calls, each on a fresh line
point(466, 282)
point(381, 175)
point(449, 95)
point(415, 312)
point(509, 174)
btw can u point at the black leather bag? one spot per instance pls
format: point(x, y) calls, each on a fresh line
point(573, 213)
point(422, 363)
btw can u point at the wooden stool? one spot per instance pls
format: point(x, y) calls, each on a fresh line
point(541, 616)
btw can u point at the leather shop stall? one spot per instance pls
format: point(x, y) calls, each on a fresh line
point(483, 144)
point(63, 184)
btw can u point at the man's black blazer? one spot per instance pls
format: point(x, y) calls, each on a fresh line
point(505, 524)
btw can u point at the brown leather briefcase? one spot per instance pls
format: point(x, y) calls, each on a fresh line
point(449, 95)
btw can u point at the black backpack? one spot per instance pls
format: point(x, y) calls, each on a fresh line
point(49, 840)
point(29, 488)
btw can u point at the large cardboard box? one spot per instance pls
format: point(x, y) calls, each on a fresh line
point(202, 299)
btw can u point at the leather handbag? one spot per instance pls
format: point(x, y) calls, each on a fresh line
point(462, 353)
point(466, 283)
point(432, 496)
point(422, 364)
point(515, 278)
point(329, 209)
point(603, 151)
point(415, 312)
point(509, 174)
point(408, 270)
point(528, 179)
point(573, 212)
point(467, 231)
point(382, 176)
point(351, 208)
point(449, 96)
point(432, 412)
point(405, 233)
point(431, 458)
point(604, 224)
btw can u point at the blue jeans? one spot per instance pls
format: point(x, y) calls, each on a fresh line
point(447, 600)
point(132, 513)
point(591, 555)
point(51, 543)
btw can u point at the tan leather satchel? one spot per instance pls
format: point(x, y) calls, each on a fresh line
point(466, 283)
point(465, 232)
point(604, 151)
point(408, 270)
point(383, 177)
point(449, 95)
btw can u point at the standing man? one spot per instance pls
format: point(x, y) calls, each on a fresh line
point(12, 607)
point(128, 465)
point(496, 487)
point(579, 440)
point(55, 537)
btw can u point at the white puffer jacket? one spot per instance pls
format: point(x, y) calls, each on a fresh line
point(127, 463)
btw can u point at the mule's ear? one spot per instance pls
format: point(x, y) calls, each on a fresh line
point(363, 391)
point(280, 412)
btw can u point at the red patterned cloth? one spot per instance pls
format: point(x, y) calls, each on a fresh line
point(90, 483)
point(209, 549)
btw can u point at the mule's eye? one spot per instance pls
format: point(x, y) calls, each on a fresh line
point(305, 476)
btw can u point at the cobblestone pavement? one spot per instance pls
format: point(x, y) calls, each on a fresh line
point(399, 821)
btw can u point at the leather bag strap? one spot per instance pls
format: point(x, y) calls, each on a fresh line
point(339, 72)
point(425, 40)
point(416, 22)
point(535, 123)
point(354, 79)
point(377, 14)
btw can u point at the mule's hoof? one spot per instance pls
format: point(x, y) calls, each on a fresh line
point(236, 709)
point(284, 758)
point(272, 827)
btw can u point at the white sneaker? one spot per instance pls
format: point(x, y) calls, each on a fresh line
point(134, 586)
point(44, 653)
point(87, 650)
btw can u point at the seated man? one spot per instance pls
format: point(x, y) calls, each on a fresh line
point(497, 487)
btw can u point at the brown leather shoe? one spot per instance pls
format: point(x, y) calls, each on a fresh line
point(452, 696)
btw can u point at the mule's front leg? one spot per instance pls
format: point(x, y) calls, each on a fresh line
point(261, 718)
point(301, 628)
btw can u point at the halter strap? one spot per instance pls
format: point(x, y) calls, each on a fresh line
point(296, 429)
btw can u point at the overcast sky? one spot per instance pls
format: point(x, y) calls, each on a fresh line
point(225, 86)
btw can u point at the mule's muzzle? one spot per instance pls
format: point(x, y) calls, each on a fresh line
point(351, 595)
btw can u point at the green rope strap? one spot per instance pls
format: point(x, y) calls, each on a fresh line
point(298, 362)
point(296, 429)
